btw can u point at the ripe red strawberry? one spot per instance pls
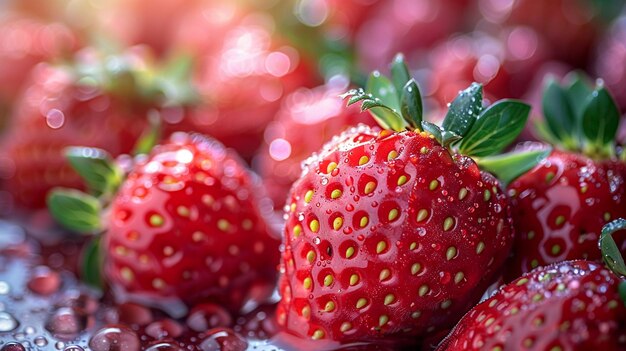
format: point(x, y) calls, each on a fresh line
point(571, 305)
point(61, 107)
point(186, 226)
point(307, 119)
point(393, 235)
point(560, 206)
point(608, 58)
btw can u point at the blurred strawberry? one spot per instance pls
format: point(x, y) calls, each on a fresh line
point(569, 27)
point(407, 26)
point(94, 103)
point(24, 42)
point(505, 65)
point(307, 119)
point(341, 18)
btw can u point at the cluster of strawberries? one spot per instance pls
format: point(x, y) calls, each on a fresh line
point(394, 226)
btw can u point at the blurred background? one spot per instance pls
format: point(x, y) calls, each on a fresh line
point(264, 76)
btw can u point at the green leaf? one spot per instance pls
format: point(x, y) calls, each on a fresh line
point(385, 106)
point(578, 90)
point(610, 252)
point(464, 110)
point(412, 108)
point(448, 138)
point(507, 167)
point(150, 137)
point(559, 115)
point(434, 130)
point(600, 119)
point(384, 116)
point(495, 128)
point(75, 210)
point(543, 133)
point(400, 74)
point(621, 289)
point(91, 264)
point(96, 167)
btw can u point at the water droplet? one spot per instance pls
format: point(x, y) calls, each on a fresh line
point(65, 323)
point(164, 346)
point(7, 322)
point(223, 339)
point(13, 346)
point(41, 341)
point(114, 338)
point(317, 240)
point(207, 316)
point(44, 281)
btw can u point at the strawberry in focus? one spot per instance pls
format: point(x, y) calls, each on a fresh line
point(186, 226)
point(560, 206)
point(570, 305)
point(393, 235)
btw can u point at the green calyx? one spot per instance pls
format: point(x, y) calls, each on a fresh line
point(167, 84)
point(611, 253)
point(79, 211)
point(580, 117)
point(468, 128)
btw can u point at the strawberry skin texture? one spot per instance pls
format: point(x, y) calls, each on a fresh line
point(388, 236)
point(572, 305)
point(560, 206)
point(187, 224)
point(80, 114)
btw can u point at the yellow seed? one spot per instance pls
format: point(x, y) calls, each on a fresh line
point(330, 306)
point(310, 256)
point(423, 290)
point(306, 312)
point(497, 348)
point(337, 223)
point(331, 167)
point(307, 282)
point(328, 280)
point(424, 150)
point(308, 196)
point(382, 320)
point(560, 220)
point(415, 268)
point(522, 281)
point(413, 246)
point(392, 155)
point(381, 246)
point(416, 314)
point(422, 214)
point(363, 222)
point(361, 303)
point(314, 226)
point(458, 277)
point(402, 180)
point(246, 224)
point(389, 299)
point(433, 184)
point(345, 326)
point(182, 211)
point(335, 194)
point(393, 214)
point(318, 334)
point(462, 193)
point(223, 225)
point(450, 253)
point(127, 274)
point(156, 220)
point(489, 321)
point(607, 216)
point(446, 304)
point(354, 279)
point(349, 252)
point(363, 160)
point(480, 247)
point(530, 235)
point(158, 283)
point(384, 274)
point(448, 223)
point(487, 195)
point(370, 187)
point(297, 230)
point(292, 208)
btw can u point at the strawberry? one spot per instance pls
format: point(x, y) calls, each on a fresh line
point(560, 206)
point(186, 225)
point(68, 105)
point(570, 305)
point(395, 234)
point(609, 55)
point(307, 118)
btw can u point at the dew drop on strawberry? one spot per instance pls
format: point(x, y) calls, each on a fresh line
point(207, 316)
point(13, 346)
point(7, 322)
point(114, 338)
point(134, 314)
point(66, 323)
point(164, 346)
point(44, 281)
point(219, 339)
point(164, 328)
